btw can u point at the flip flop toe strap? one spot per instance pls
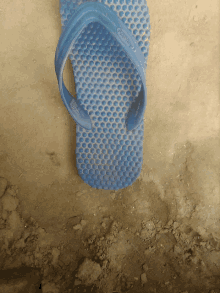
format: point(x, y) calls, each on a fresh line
point(83, 15)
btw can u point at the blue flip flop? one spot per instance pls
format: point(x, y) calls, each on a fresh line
point(108, 44)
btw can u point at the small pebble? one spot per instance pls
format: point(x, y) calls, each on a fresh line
point(14, 221)
point(145, 267)
point(83, 222)
point(89, 271)
point(143, 278)
point(104, 225)
point(77, 227)
point(104, 263)
point(175, 225)
point(170, 223)
point(9, 203)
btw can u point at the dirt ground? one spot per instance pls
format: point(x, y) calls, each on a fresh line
point(162, 234)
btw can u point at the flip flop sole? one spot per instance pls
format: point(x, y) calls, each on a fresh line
point(107, 82)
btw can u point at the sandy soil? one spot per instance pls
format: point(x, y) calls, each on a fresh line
point(162, 234)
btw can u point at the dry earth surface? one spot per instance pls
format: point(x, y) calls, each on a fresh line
point(162, 234)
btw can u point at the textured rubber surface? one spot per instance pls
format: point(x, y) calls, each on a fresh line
point(107, 82)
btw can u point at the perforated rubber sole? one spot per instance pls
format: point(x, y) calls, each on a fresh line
point(108, 156)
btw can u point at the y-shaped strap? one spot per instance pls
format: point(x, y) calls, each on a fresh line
point(82, 16)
